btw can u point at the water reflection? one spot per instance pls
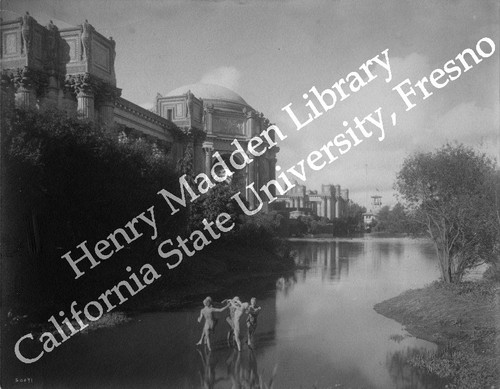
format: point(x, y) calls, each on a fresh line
point(237, 369)
point(329, 259)
point(325, 314)
point(207, 372)
point(285, 284)
point(243, 372)
point(332, 259)
point(317, 327)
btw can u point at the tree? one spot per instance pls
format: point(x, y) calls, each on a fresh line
point(65, 181)
point(384, 219)
point(213, 203)
point(396, 221)
point(354, 217)
point(451, 191)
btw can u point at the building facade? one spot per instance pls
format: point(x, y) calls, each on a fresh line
point(223, 116)
point(331, 202)
point(73, 69)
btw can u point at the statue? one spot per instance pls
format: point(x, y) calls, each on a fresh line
point(85, 38)
point(112, 57)
point(189, 103)
point(52, 46)
point(51, 26)
point(27, 31)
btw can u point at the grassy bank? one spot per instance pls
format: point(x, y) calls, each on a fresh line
point(463, 320)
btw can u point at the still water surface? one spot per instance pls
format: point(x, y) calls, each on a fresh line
point(317, 328)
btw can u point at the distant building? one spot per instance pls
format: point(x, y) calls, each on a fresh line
point(331, 202)
point(370, 216)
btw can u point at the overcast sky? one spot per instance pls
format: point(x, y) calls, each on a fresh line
point(271, 52)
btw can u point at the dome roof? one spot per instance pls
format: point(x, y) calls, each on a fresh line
point(209, 92)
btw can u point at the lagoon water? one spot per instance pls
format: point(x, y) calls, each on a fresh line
point(317, 329)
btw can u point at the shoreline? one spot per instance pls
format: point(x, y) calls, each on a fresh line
point(462, 319)
point(166, 300)
point(357, 238)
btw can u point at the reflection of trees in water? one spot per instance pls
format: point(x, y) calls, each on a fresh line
point(406, 376)
point(387, 250)
point(245, 375)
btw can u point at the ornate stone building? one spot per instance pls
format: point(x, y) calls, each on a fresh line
point(73, 69)
point(224, 116)
point(331, 202)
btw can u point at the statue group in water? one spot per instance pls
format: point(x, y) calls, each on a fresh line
point(236, 311)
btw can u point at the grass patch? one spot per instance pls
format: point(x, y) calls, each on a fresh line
point(462, 319)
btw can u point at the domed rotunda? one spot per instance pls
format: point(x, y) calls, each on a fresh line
point(210, 92)
point(223, 117)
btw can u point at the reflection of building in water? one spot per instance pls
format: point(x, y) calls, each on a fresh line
point(331, 202)
point(327, 259)
point(370, 216)
point(73, 69)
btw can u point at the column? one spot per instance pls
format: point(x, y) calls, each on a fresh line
point(209, 110)
point(208, 147)
point(52, 65)
point(250, 124)
point(85, 108)
point(250, 169)
point(329, 208)
point(7, 100)
point(52, 92)
point(83, 86)
point(107, 112)
point(105, 100)
point(67, 100)
point(7, 92)
point(25, 97)
point(337, 208)
point(272, 168)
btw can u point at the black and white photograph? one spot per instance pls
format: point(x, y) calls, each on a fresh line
point(254, 194)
